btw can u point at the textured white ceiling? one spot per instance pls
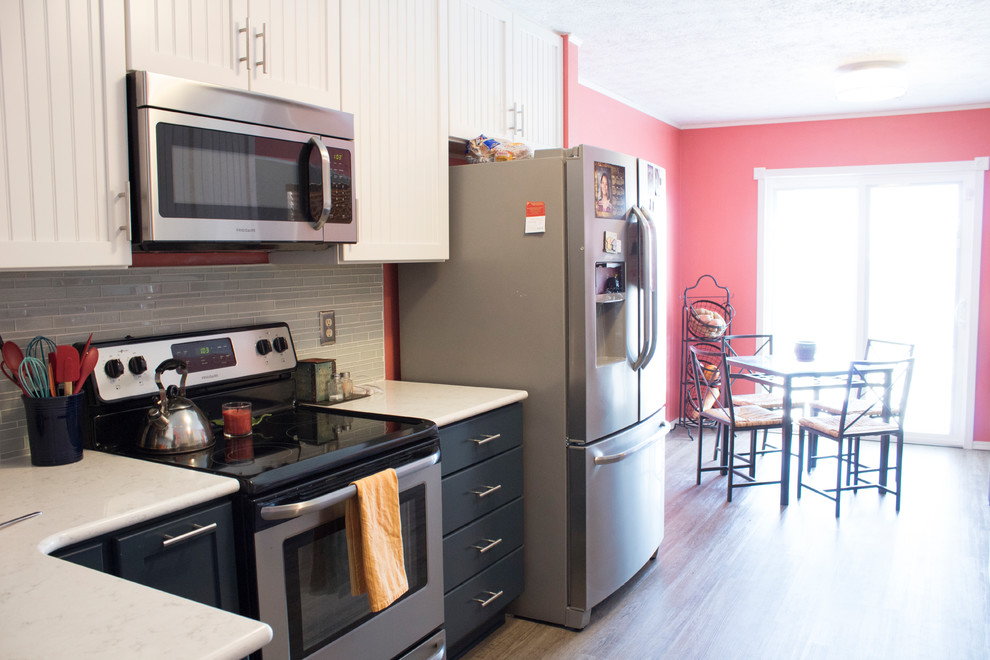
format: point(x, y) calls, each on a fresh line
point(708, 62)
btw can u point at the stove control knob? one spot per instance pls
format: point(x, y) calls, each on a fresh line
point(137, 365)
point(281, 344)
point(114, 368)
point(264, 347)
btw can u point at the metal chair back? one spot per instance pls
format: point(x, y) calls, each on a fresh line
point(876, 389)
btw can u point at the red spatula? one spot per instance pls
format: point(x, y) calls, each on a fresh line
point(86, 366)
point(66, 367)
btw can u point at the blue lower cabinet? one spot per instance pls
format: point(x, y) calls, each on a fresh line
point(189, 554)
point(482, 523)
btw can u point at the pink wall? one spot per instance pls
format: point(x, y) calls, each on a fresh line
point(593, 118)
point(716, 216)
point(712, 193)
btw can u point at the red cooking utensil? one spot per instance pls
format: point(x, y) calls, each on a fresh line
point(12, 377)
point(86, 366)
point(66, 367)
point(12, 358)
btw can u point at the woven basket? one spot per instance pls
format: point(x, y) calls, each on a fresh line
point(708, 319)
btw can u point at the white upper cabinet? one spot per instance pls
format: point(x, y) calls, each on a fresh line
point(506, 75)
point(63, 149)
point(394, 81)
point(537, 83)
point(287, 48)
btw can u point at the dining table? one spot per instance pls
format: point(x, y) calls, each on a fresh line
point(790, 375)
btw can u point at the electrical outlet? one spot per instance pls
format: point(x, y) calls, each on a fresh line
point(328, 328)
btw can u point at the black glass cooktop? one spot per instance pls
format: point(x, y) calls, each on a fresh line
point(293, 444)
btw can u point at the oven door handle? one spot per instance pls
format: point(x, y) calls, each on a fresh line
point(289, 511)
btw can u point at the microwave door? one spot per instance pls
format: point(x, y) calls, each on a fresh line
point(210, 180)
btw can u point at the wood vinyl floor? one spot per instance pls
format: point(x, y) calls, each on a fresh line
point(752, 579)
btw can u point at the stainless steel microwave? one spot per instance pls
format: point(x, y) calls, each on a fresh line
point(218, 168)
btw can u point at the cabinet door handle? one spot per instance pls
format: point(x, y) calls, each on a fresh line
point(487, 490)
point(520, 116)
point(512, 129)
point(245, 31)
point(492, 597)
point(126, 196)
point(482, 549)
point(485, 439)
point(264, 48)
point(182, 538)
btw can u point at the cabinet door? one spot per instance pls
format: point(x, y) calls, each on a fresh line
point(201, 40)
point(295, 47)
point(91, 556)
point(190, 556)
point(394, 80)
point(63, 158)
point(537, 84)
point(480, 69)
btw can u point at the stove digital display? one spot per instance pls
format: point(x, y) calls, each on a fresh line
point(205, 355)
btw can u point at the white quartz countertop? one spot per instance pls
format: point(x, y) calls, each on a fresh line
point(441, 404)
point(50, 608)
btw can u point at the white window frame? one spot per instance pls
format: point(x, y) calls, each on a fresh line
point(970, 174)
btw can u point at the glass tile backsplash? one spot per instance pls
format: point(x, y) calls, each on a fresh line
point(67, 305)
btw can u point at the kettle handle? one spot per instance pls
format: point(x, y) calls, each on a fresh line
point(172, 363)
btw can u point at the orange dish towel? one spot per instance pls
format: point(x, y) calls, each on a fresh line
point(374, 540)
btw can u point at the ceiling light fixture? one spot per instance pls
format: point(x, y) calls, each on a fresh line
point(870, 81)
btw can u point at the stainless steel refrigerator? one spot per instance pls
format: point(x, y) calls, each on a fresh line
point(556, 285)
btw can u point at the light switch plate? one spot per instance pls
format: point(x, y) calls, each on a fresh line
point(328, 328)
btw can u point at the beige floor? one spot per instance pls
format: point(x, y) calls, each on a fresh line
point(752, 579)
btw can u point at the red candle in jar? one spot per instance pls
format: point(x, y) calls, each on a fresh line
point(237, 418)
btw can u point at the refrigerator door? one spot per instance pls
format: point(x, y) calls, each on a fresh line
point(653, 204)
point(615, 513)
point(603, 321)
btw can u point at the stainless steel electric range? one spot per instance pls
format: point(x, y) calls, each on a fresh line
point(295, 471)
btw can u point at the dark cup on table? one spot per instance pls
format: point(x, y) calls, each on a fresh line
point(804, 351)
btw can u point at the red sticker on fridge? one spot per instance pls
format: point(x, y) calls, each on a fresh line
point(536, 217)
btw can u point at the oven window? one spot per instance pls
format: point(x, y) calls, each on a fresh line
point(318, 584)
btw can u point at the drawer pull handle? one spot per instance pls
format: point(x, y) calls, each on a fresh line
point(486, 603)
point(198, 531)
point(482, 549)
point(485, 439)
point(488, 490)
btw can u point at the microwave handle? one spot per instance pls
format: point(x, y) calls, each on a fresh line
point(317, 144)
point(289, 511)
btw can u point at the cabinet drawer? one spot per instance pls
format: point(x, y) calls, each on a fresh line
point(473, 440)
point(482, 543)
point(480, 489)
point(465, 610)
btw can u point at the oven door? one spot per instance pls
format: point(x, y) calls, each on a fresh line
point(304, 590)
point(206, 180)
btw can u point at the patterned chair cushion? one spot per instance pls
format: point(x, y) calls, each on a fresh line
point(829, 425)
point(747, 416)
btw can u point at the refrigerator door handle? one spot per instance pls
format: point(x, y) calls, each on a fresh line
point(652, 275)
point(621, 456)
point(647, 269)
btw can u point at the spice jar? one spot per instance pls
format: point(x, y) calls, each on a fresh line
point(347, 385)
point(336, 388)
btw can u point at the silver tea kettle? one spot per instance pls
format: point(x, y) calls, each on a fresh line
point(175, 425)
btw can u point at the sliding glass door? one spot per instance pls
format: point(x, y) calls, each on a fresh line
point(887, 253)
